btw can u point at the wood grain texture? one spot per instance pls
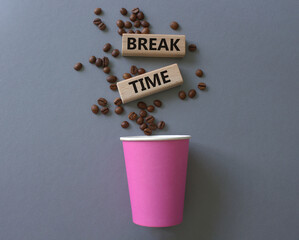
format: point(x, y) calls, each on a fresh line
point(153, 45)
point(149, 83)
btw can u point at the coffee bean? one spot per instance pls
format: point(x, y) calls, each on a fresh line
point(140, 15)
point(120, 23)
point(192, 47)
point(78, 66)
point(150, 108)
point(152, 126)
point(145, 23)
point(125, 124)
point(137, 24)
point(95, 109)
point(97, 21)
point(117, 101)
point(133, 17)
point(174, 25)
point(115, 53)
point(161, 125)
point(132, 116)
point(143, 126)
point(99, 62)
point(105, 110)
point(111, 79)
point(137, 32)
point(141, 71)
point(192, 93)
point(113, 87)
point(143, 113)
point(139, 120)
point(135, 10)
point(106, 70)
point(102, 26)
point(131, 31)
point(123, 11)
point(92, 59)
point(150, 119)
point(97, 11)
point(145, 30)
point(147, 131)
point(102, 102)
point(202, 86)
point(121, 31)
point(182, 95)
point(141, 105)
point(133, 70)
point(119, 110)
point(199, 73)
point(126, 76)
point(105, 61)
point(157, 103)
point(128, 24)
point(107, 47)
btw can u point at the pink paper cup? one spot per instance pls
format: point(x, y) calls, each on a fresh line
point(156, 172)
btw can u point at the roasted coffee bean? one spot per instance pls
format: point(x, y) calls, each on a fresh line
point(137, 24)
point(120, 23)
point(132, 116)
point(137, 32)
point(145, 23)
point(92, 59)
point(125, 124)
point(133, 17)
point(192, 93)
point(141, 105)
point(147, 131)
point(139, 120)
point(128, 24)
point(102, 102)
point(143, 113)
point(102, 26)
point(199, 73)
point(105, 110)
point(157, 103)
point(152, 126)
point(95, 109)
point(111, 79)
point(97, 21)
point(174, 25)
point(143, 126)
point(192, 47)
point(105, 61)
point(150, 108)
point(135, 10)
point(115, 53)
point(133, 70)
point(117, 101)
point(78, 66)
point(202, 86)
point(126, 76)
point(123, 11)
point(119, 110)
point(150, 119)
point(182, 95)
point(131, 31)
point(140, 15)
point(106, 70)
point(107, 47)
point(145, 30)
point(99, 62)
point(113, 87)
point(141, 71)
point(97, 11)
point(161, 125)
point(121, 31)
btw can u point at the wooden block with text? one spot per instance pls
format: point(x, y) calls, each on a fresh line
point(153, 45)
point(149, 83)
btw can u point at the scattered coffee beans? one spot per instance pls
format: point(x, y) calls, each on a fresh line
point(133, 17)
point(78, 66)
point(137, 24)
point(120, 23)
point(199, 73)
point(137, 32)
point(150, 119)
point(145, 23)
point(152, 126)
point(157, 103)
point(105, 61)
point(106, 70)
point(135, 10)
point(102, 102)
point(174, 25)
point(113, 87)
point(97, 11)
point(131, 31)
point(123, 11)
point(161, 125)
point(102, 26)
point(95, 109)
point(97, 21)
point(150, 108)
point(182, 95)
point(126, 76)
point(192, 93)
point(125, 124)
point(99, 62)
point(192, 47)
point(121, 31)
point(133, 70)
point(147, 131)
point(115, 53)
point(111, 79)
point(128, 24)
point(105, 110)
point(143, 113)
point(202, 86)
point(117, 101)
point(140, 15)
point(141, 71)
point(145, 30)
point(107, 47)
point(92, 59)
point(143, 126)
point(132, 116)
point(119, 110)
point(139, 120)
point(141, 105)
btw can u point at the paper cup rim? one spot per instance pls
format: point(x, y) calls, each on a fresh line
point(155, 138)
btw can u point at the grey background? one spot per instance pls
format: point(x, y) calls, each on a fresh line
point(62, 173)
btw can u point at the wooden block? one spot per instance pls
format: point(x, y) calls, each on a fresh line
point(153, 45)
point(149, 83)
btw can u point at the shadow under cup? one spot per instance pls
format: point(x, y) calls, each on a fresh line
point(156, 171)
